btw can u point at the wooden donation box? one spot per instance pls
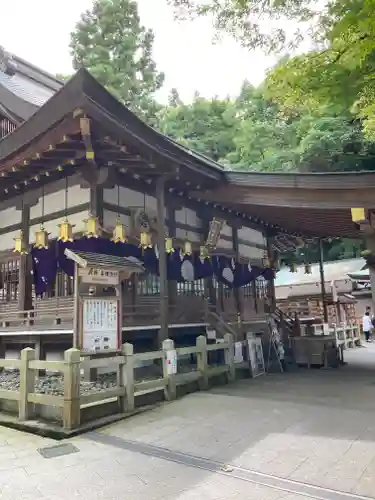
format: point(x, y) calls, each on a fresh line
point(97, 299)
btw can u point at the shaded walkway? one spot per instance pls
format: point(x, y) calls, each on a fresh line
point(293, 436)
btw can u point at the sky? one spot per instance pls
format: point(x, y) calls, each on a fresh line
point(39, 30)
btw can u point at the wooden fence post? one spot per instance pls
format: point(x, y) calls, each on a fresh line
point(128, 403)
point(170, 390)
point(72, 384)
point(229, 357)
point(27, 382)
point(202, 361)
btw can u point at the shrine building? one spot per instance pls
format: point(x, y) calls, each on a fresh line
point(81, 172)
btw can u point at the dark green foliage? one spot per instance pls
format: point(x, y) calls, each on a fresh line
point(111, 43)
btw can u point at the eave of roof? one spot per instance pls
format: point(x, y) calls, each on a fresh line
point(84, 92)
point(291, 180)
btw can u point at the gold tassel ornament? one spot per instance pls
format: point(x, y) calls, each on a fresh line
point(65, 231)
point(203, 253)
point(41, 238)
point(169, 245)
point(308, 268)
point(145, 240)
point(93, 229)
point(265, 261)
point(119, 232)
point(19, 244)
point(293, 267)
point(188, 249)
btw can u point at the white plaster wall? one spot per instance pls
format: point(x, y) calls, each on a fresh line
point(251, 235)
point(188, 235)
point(189, 217)
point(226, 230)
point(7, 240)
point(110, 218)
point(250, 252)
point(10, 216)
point(56, 201)
point(227, 244)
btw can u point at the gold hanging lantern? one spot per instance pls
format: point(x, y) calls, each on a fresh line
point(169, 245)
point(119, 232)
point(65, 231)
point(293, 267)
point(203, 253)
point(307, 268)
point(213, 236)
point(188, 249)
point(19, 244)
point(145, 240)
point(41, 238)
point(93, 229)
point(265, 261)
point(358, 215)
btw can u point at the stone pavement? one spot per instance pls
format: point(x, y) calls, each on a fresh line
point(294, 436)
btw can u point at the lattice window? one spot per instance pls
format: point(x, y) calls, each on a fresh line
point(191, 288)
point(9, 280)
point(148, 284)
point(261, 289)
point(248, 290)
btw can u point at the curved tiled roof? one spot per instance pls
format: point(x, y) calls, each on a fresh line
point(24, 87)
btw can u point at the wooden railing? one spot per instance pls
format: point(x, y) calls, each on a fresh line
point(59, 312)
point(72, 402)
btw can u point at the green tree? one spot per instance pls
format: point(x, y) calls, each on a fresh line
point(257, 23)
point(111, 43)
point(206, 125)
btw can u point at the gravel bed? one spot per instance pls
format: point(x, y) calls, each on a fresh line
point(54, 383)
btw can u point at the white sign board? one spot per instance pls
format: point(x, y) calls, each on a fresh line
point(238, 352)
point(256, 357)
point(100, 325)
point(99, 276)
point(172, 362)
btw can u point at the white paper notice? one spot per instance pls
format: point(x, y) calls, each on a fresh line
point(100, 325)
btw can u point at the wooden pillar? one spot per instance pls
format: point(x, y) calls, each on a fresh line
point(24, 288)
point(210, 292)
point(238, 293)
point(96, 202)
point(171, 220)
point(270, 253)
point(370, 244)
point(322, 280)
point(160, 197)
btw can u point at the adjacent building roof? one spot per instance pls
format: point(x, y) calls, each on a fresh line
point(333, 271)
point(336, 274)
point(23, 87)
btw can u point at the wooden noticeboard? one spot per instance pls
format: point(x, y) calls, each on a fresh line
point(100, 325)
